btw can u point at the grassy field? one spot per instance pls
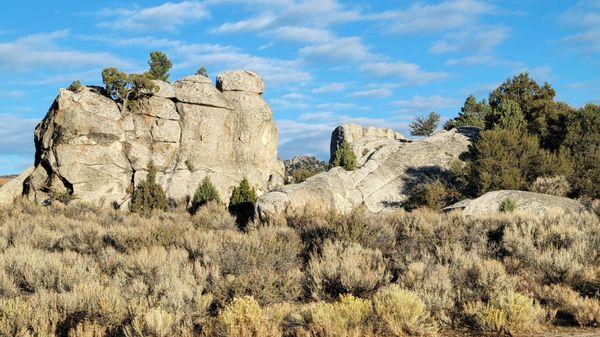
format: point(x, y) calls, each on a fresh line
point(81, 271)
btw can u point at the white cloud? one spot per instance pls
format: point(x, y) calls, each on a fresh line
point(584, 16)
point(373, 93)
point(341, 49)
point(331, 87)
point(11, 93)
point(41, 51)
point(431, 18)
point(246, 26)
point(16, 135)
point(290, 101)
point(409, 72)
point(425, 104)
point(273, 71)
point(477, 40)
point(303, 34)
point(484, 60)
point(166, 17)
point(315, 116)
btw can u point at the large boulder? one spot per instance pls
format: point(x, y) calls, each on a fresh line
point(14, 187)
point(98, 150)
point(526, 202)
point(388, 168)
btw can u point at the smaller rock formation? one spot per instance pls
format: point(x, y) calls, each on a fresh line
point(388, 166)
point(14, 187)
point(303, 165)
point(351, 133)
point(526, 202)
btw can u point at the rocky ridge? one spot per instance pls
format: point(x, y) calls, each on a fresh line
point(388, 166)
point(94, 148)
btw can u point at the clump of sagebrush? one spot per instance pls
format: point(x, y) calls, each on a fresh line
point(558, 186)
point(72, 270)
point(242, 200)
point(148, 195)
point(425, 126)
point(435, 194)
point(206, 192)
point(507, 205)
point(345, 157)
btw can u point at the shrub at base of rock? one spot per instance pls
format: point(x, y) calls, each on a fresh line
point(206, 192)
point(345, 157)
point(241, 203)
point(149, 195)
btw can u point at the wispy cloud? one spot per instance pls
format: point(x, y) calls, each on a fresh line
point(330, 87)
point(477, 40)
point(16, 139)
point(166, 17)
point(423, 104)
point(345, 49)
point(432, 18)
point(381, 92)
point(585, 17)
point(409, 73)
point(44, 51)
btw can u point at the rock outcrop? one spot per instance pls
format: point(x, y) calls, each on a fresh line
point(96, 149)
point(388, 167)
point(526, 202)
point(14, 187)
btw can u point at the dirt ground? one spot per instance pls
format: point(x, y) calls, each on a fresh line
point(554, 332)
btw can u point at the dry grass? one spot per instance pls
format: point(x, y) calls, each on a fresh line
point(80, 271)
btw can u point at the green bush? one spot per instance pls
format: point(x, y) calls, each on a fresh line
point(115, 83)
point(507, 205)
point(75, 86)
point(472, 114)
point(241, 203)
point(583, 141)
point(148, 195)
point(503, 159)
point(202, 72)
point(159, 66)
point(345, 157)
point(425, 126)
point(205, 193)
point(507, 115)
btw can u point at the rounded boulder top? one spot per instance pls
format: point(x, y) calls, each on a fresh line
point(240, 80)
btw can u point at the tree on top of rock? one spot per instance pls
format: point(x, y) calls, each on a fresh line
point(115, 83)
point(159, 66)
point(425, 127)
point(202, 72)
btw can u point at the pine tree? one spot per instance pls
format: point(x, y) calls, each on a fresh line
point(345, 157)
point(425, 126)
point(202, 72)
point(241, 203)
point(149, 195)
point(159, 66)
point(205, 193)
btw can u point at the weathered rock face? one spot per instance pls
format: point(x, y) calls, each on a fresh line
point(14, 187)
point(91, 146)
point(526, 202)
point(388, 167)
point(352, 133)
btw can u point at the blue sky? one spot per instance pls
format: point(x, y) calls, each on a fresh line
point(325, 62)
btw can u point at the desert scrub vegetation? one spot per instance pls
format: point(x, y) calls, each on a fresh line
point(77, 270)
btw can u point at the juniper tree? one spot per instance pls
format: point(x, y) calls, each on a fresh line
point(159, 66)
point(425, 126)
point(206, 192)
point(148, 195)
point(345, 157)
point(241, 203)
